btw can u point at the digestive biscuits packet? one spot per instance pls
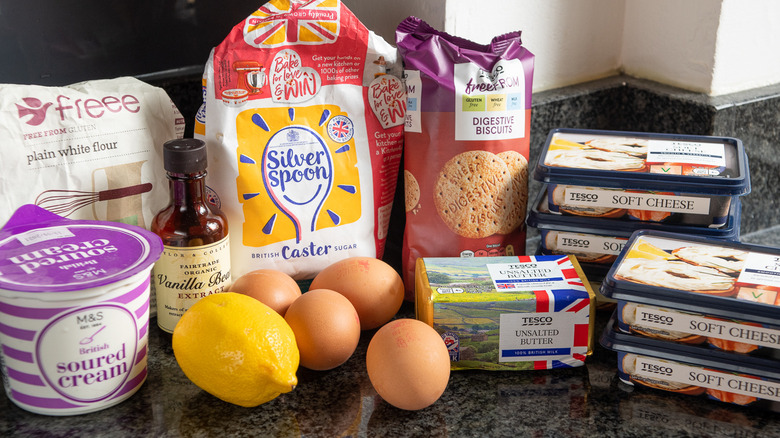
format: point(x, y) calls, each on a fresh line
point(467, 135)
point(303, 118)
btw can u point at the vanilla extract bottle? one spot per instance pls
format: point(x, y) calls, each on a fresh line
point(196, 258)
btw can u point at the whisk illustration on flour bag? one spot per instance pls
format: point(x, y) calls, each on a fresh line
point(86, 151)
point(303, 113)
point(67, 202)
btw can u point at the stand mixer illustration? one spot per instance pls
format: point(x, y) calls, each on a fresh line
point(251, 76)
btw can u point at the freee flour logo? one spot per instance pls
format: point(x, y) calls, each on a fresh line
point(34, 111)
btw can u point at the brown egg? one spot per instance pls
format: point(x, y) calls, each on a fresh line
point(326, 327)
point(408, 364)
point(371, 285)
point(275, 289)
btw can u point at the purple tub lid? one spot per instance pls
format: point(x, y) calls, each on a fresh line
point(43, 252)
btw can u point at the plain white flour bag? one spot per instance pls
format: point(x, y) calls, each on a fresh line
point(91, 150)
point(303, 117)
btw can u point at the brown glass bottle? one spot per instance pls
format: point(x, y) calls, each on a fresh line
point(196, 259)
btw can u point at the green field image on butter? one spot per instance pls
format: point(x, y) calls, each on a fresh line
point(459, 280)
point(477, 328)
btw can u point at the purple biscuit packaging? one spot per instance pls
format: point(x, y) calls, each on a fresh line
point(466, 137)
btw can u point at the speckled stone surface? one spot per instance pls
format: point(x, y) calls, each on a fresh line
point(577, 402)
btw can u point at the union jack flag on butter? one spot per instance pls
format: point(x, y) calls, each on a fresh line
point(508, 313)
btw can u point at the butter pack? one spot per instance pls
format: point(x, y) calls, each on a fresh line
point(507, 313)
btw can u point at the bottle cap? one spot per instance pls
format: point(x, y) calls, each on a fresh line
point(184, 155)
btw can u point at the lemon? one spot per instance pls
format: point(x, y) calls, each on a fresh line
point(237, 349)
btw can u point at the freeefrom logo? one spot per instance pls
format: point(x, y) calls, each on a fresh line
point(294, 179)
point(34, 111)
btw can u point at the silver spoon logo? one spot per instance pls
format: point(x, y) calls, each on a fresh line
point(297, 172)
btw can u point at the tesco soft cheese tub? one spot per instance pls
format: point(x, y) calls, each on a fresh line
point(669, 178)
point(74, 311)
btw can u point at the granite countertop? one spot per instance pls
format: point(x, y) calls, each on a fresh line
point(576, 402)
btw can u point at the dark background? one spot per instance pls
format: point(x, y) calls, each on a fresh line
point(59, 42)
point(167, 42)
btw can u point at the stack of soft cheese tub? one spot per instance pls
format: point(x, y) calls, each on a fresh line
point(697, 316)
point(601, 186)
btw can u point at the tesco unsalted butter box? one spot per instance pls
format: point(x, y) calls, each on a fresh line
point(507, 313)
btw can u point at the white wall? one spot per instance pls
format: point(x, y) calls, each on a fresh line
point(383, 16)
point(710, 46)
point(573, 41)
point(747, 54)
point(671, 41)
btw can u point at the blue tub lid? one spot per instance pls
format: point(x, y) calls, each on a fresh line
point(644, 161)
point(542, 218)
point(720, 278)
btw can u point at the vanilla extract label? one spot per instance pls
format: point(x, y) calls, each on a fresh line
point(184, 275)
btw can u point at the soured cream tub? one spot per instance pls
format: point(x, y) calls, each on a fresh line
point(74, 311)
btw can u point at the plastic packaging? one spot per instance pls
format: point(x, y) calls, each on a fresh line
point(597, 241)
point(695, 371)
point(466, 146)
point(666, 178)
point(689, 289)
point(74, 311)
